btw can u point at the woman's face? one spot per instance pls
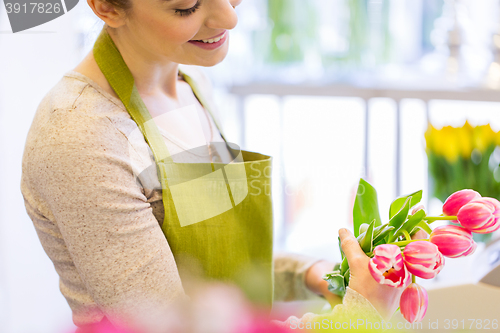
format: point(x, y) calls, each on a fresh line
point(171, 29)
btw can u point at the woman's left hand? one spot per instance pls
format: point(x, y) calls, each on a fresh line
point(315, 282)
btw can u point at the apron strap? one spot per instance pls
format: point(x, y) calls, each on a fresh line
point(203, 102)
point(120, 78)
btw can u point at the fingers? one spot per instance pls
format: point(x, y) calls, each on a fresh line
point(350, 246)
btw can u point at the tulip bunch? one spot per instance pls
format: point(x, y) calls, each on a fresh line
point(396, 259)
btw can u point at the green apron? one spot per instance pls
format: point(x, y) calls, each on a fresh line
point(218, 217)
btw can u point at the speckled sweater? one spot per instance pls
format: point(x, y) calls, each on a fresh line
point(96, 220)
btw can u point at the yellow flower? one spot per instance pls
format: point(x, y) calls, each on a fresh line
point(484, 137)
point(448, 144)
point(430, 138)
point(464, 136)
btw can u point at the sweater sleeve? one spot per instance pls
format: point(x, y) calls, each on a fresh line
point(290, 277)
point(355, 312)
point(83, 171)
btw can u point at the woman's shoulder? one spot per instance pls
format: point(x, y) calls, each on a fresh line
point(73, 109)
point(72, 99)
point(64, 93)
point(75, 91)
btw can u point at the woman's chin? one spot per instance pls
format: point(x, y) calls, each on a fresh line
point(209, 62)
point(209, 58)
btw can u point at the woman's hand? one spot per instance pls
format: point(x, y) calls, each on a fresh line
point(315, 282)
point(384, 298)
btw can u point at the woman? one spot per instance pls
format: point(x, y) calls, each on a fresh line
point(101, 171)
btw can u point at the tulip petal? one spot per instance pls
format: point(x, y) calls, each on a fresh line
point(387, 266)
point(457, 200)
point(452, 241)
point(480, 216)
point(423, 259)
point(413, 303)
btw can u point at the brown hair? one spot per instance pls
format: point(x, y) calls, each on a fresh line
point(124, 5)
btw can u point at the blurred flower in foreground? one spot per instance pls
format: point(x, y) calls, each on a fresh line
point(413, 303)
point(104, 327)
point(212, 308)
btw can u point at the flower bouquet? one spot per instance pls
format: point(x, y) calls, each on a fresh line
point(396, 259)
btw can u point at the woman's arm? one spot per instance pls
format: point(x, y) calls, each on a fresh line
point(82, 170)
point(295, 277)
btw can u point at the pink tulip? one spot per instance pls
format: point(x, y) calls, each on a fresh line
point(471, 250)
point(387, 266)
point(413, 303)
point(453, 241)
point(457, 200)
point(481, 216)
point(423, 259)
point(106, 327)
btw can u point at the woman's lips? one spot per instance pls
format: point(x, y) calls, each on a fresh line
point(222, 33)
point(211, 46)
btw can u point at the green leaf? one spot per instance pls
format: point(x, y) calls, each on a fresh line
point(347, 276)
point(336, 283)
point(379, 229)
point(382, 234)
point(366, 239)
point(365, 206)
point(340, 247)
point(344, 266)
point(397, 220)
point(397, 204)
point(363, 227)
point(411, 223)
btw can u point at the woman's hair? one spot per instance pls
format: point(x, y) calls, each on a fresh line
point(122, 4)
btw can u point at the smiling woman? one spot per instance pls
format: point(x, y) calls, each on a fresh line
point(126, 241)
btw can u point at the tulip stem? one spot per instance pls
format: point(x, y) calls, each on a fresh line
point(406, 242)
point(407, 235)
point(431, 219)
point(413, 278)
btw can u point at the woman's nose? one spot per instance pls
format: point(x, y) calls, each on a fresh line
point(222, 14)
